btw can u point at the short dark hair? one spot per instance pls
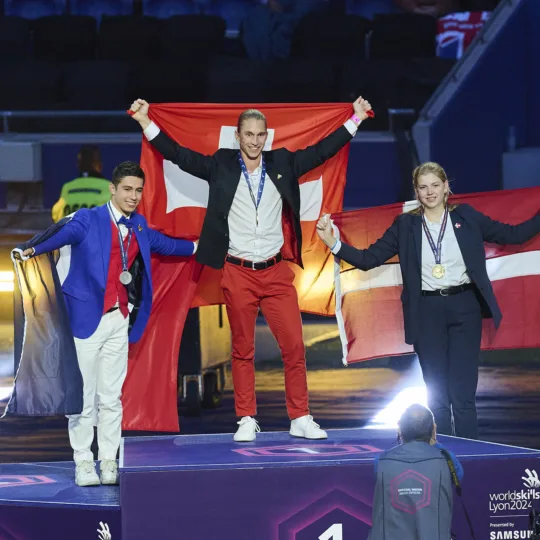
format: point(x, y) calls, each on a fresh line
point(250, 113)
point(416, 424)
point(127, 168)
point(89, 158)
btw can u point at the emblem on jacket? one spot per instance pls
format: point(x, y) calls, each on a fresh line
point(140, 228)
point(278, 176)
point(458, 225)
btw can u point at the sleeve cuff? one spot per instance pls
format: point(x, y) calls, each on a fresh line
point(195, 246)
point(151, 132)
point(336, 248)
point(352, 128)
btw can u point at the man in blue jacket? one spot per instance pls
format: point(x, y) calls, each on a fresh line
point(108, 295)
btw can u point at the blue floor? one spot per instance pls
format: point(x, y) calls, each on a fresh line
point(277, 449)
point(52, 485)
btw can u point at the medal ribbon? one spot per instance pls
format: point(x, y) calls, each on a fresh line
point(437, 250)
point(261, 183)
point(123, 249)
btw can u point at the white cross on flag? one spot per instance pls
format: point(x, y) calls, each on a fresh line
point(368, 304)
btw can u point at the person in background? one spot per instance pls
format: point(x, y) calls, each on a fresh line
point(268, 28)
point(89, 189)
point(413, 493)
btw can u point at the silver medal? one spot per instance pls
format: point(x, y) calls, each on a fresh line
point(125, 278)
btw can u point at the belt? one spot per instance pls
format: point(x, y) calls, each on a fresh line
point(112, 309)
point(263, 265)
point(450, 290)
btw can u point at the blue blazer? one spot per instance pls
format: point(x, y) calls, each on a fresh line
point(89, 234)
point(404, 238)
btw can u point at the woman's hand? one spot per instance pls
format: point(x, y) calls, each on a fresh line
point(324, 230)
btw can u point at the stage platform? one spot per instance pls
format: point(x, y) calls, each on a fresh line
point(206, 487)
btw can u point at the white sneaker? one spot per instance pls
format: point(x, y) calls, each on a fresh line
point(247, 430)
point(306, 427)
point(86, 475)
point(109, 472)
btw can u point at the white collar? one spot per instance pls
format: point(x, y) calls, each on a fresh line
point(116, 213)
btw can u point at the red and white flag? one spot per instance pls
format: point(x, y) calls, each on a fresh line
point(175, 202)
point(368, 305)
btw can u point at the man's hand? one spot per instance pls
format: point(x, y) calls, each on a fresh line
point(324, 230)
point(139, 109)
point(28, 252)
point(361, 107)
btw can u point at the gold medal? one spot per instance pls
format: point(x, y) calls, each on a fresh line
point(438, 271)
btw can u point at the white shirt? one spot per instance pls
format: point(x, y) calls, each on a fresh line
point(451, 258)
point(117, 215)
point(247, 240)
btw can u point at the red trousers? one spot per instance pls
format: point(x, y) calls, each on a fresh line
point(246, 290)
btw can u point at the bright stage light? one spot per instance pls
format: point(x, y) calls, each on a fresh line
point(5, 392)
point(389, 416)
point(6, 281)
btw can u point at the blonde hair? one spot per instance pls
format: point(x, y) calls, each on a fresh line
point(250, 113)
point(439, 172)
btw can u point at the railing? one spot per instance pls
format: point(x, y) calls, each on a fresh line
point(7, 115)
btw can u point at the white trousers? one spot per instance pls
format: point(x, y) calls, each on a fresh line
point(103, 359)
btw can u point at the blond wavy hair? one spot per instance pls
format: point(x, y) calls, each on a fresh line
point(439, 172)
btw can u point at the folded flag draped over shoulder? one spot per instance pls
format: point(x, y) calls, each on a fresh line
point(48, 380)
point(174, 203)
point(368, 305)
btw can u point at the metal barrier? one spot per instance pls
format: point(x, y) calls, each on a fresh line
point(7, 115)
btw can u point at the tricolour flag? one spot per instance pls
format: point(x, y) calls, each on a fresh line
point(174, 203)
point(368, 305)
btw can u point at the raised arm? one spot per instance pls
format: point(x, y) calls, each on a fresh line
point(502, 233)
point(307, 159)
point(375, 255)
point(192, 162)
point(165, 245)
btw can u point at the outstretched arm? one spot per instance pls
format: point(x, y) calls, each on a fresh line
point(307, 159)
point(165, 245)
point(502, 233)
point(194, 163)
point(72, 232)
point(375, 255)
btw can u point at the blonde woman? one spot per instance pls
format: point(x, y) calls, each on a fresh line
point(446, 289)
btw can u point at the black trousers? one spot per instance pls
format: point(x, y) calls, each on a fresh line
point(448, 348)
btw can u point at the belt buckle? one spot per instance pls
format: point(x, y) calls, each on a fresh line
point(441, 292)
point(253, 265)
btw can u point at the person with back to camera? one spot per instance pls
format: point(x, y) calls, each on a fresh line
point(418, 507)
point(446, 289)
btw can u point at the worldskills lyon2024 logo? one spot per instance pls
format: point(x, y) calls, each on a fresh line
point(514, 506)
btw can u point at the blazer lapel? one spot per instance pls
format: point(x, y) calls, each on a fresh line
point(417, 236)
point(104, 221)
point(460, 231)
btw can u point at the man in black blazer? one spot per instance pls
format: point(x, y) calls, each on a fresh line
point(252, 225)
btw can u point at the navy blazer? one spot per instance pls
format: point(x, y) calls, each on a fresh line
point(89, 234)
point(404, 238)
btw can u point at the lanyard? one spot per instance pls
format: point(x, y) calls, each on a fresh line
point(261, 183)
point(437, 250)
point(123, 249)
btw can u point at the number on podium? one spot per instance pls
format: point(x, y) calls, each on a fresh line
point(335, 532)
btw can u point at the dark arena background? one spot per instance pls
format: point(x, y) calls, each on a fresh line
point(451, 81)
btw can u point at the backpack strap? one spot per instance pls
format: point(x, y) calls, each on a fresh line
point(457, 483)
